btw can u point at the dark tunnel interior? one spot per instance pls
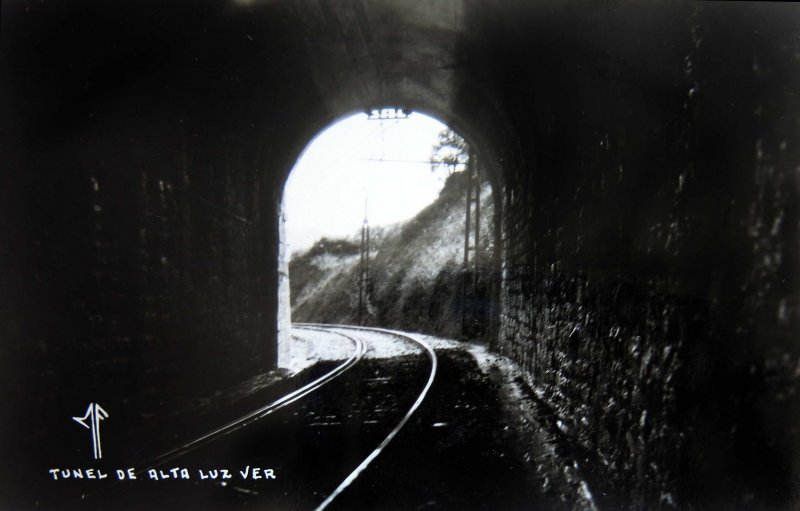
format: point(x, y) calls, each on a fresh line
point(645, 165)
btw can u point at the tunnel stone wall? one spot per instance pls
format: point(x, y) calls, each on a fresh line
point(148, 271)
point(649, 215)
point(651, 263)
point(140, 204)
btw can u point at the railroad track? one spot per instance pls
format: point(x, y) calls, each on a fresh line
point(393, 433)
point(360, 349)
point(262, 412)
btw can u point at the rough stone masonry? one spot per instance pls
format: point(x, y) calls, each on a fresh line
point(643, 157)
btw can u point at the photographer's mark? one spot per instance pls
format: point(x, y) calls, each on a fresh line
point(94, 414)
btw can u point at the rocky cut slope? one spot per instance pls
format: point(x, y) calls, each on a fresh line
point(416, 272)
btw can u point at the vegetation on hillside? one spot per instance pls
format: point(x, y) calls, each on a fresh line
point(416, 267)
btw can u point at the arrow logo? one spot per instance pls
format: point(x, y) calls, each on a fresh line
point(94, 414)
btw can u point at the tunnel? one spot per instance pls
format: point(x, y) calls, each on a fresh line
point(645, 166)
point(406, 178)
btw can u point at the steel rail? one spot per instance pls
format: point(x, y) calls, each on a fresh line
point(257, 414)
point(375, 453)
point(262, 412)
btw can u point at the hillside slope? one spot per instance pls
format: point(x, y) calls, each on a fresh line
point(416, 272)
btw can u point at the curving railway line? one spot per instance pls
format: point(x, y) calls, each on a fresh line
point(260, 413)
point(366, 429)
point(375, 453)
point(344, 416)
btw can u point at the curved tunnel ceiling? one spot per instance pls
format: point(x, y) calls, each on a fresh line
point(648, 163)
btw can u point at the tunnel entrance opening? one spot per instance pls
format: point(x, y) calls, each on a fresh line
point(388, 219)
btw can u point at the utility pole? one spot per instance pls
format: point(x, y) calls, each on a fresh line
point(477, 189)
point(473, 200)
point(363, 268)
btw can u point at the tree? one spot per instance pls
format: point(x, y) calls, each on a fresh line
point(450, 151)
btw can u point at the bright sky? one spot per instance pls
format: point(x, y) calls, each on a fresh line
point(325, 193)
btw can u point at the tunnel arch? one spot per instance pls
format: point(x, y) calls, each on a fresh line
point(485, 146)
point(489, 165)
point(647, 186)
